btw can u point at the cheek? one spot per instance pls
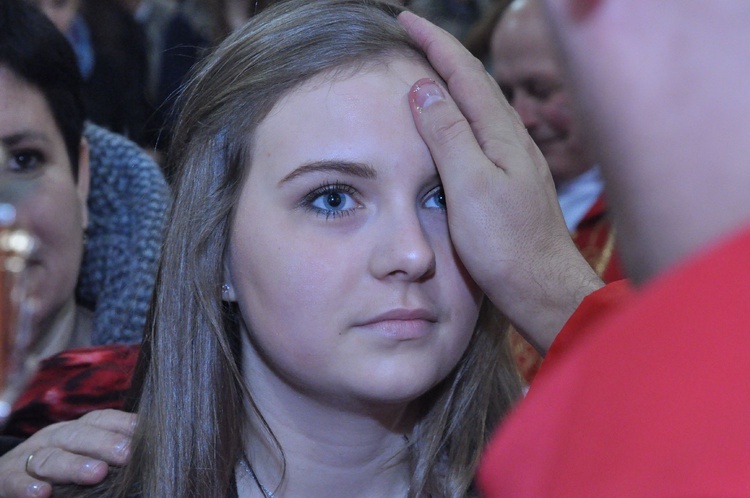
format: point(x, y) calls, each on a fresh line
point(558, 114)
point(284, 288)
point(467, 298)
point(274, 265)
point(461, 294)
point(464, 291)
point(53, 215)
point(463, 298)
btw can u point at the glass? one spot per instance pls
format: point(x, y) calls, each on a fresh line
point(16, 246)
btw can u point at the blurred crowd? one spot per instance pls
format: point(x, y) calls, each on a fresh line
point(135, 54)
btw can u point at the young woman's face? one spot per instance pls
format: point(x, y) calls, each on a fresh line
point(55, 208)
point(340, 257)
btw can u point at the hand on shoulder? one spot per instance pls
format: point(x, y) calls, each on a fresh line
point(78, 451)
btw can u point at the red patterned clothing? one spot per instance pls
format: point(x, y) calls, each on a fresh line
point(650, 400)
point(595, 238)
point(72, 383)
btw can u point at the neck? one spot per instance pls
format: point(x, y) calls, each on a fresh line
point(375, 472)
point(331, 447)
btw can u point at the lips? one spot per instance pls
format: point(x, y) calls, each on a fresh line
point(403, 314)
point(401, 324)
point(544, 140)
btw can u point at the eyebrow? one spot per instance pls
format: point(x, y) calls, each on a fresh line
point(361, 170)
point(11, 140)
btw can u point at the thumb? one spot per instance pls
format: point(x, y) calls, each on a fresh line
point(449, 136)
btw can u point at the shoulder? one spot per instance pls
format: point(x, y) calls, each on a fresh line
point(648, 402)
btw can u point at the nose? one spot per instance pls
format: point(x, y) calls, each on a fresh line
point(402, 250)
point(526, 107)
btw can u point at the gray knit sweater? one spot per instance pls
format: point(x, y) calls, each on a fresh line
point(128, 200)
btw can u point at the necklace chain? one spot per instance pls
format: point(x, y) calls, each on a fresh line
point(267, 493)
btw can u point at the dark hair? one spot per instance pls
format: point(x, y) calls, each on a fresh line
point(35, 51)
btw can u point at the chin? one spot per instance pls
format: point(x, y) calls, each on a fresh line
point(403, 387)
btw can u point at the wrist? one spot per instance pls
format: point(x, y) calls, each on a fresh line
point(543, 299)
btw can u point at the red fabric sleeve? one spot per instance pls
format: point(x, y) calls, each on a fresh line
point(72, 383)
point(649, 401)
point(596, 305)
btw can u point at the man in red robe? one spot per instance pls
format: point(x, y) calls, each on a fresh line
point(524, 63)
point(648, 397)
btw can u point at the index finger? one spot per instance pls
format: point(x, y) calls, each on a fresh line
point(111, 420)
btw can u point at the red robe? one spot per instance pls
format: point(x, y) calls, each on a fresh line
point(595, 238)
point(72, 383)
point(650, 400)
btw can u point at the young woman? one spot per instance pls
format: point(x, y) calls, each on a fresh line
point(313, 332)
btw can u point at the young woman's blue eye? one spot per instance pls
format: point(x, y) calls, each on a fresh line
point(332, 200)
point(436, 199)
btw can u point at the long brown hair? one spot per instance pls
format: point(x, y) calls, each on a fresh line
point(192, 407)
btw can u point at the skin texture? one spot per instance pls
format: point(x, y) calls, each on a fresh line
point(55, 210)
point(511, 236)
point(525, 65)
point(351, 294)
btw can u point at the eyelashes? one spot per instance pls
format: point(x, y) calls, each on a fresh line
point(336, 200)
point(332, 200)
point(25, 160)
point(435, 199)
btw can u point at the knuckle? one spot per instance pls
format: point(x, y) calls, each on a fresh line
point(46, 432)
point(52, 434)
point(449, 129)
point(93, 418)
point(68, 439)
point(43, 459)
point(109, 419)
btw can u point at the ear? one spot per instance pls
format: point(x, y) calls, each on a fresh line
point(84, 179)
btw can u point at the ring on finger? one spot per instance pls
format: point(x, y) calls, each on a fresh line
point(28, 462)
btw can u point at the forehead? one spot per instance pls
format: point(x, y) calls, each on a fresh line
point(521, 43)
point(22, 105)
point(354, 112)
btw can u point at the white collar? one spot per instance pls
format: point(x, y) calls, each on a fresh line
point(578, 196)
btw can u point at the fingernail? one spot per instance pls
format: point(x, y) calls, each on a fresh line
point(425, 93)
point(122, 448)
point(90, 468)
point(36, 489)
